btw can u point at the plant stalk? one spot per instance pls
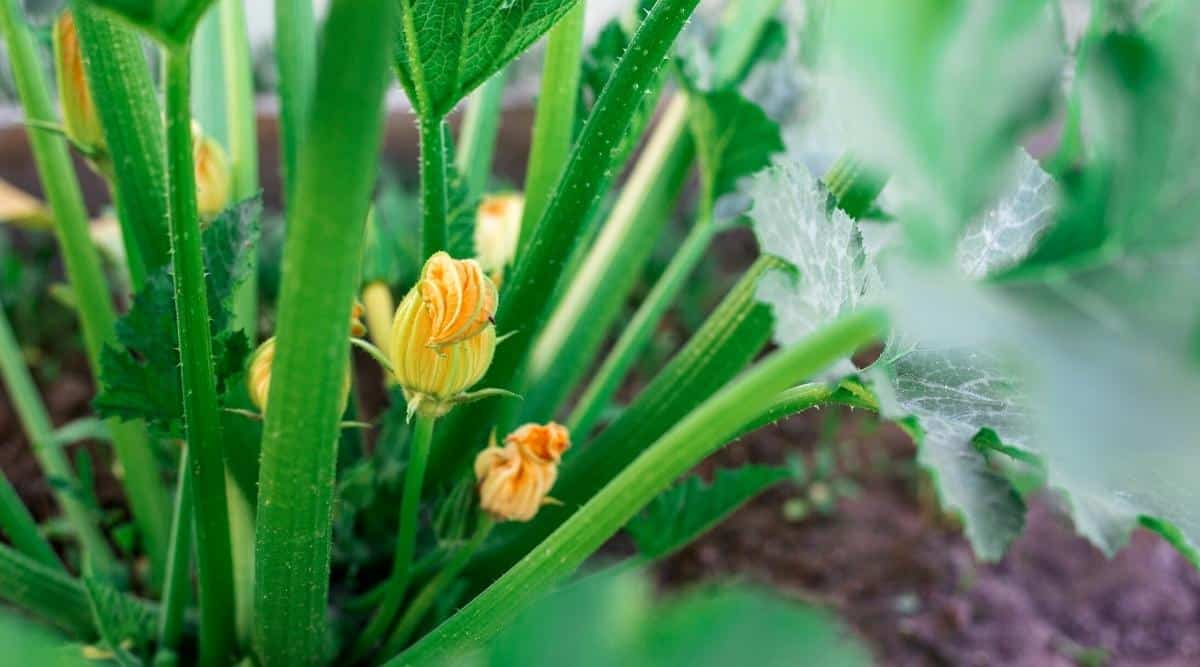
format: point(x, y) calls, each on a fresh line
point(477, 136)
point(429, 593)
point(638, 333)
point(433, 185)
point(202, 422)
point(554, 119)
point(176, 584)
point(589, 173)
point(703, 431)
point(295, 57)
point(84, 270)
point(45, 591)
point(336, 170)
point(406, 540)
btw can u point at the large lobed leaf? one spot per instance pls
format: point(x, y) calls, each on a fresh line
point(444, 50)
point(951, 392)
point(1100, 322)
point(140, 379)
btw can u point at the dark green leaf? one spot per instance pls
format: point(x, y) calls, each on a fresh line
point(126, 626)
point(734, 138)
point(171, 21)
point(689, 509)
point(140, 379)
point(445, 49)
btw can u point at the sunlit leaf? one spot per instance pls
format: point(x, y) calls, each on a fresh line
point(445, 50)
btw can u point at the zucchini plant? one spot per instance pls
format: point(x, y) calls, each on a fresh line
point(1032, 314)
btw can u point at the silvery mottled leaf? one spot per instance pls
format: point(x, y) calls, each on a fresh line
point(953, 393)
point(794, 221)
point(935, 94)
point(1005, 233)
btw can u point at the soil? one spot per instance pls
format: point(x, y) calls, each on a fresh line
point(905, 579)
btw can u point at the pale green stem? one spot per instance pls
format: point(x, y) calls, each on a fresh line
point(477, 136)
point(554, 122)
point(640, 330)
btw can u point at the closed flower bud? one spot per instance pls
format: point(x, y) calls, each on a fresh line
point(80, 121)
point(434, 377)
point(214, 185)
point(458, 297)
point(258, 377)
point(497, 229)
point(515, 480)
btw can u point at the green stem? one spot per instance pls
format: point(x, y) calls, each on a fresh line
point(295, 57)
point(15, 519)
point(176, 584)
point(853, 185)
point(129, 112)
point(200, 408)
point(598, 292)
point(429, 593)
point(241, 123)
point(127, 104)
point(82, 262)
point(336, 170)
point(433, 185)
point(406, 540)
point(554, 119)
point(638, 333)
point(588, 174)
point(703, 431)
point(477, 136)
point(45, 591)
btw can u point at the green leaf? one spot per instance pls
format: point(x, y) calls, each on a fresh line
point(445, 50)
point(171, 21)
point(714, 626)
point(734, 138)
point(937, 93)
point(1102, 337)
point(951, 392)
point(126, 626)
point(794, 220)
point(691, 508)
point(140, 379)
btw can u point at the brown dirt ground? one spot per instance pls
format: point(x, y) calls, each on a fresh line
point(906, 580)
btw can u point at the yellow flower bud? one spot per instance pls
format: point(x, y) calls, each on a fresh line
point(433, 377)
point(80, 121)
point(514, 480)
point(459, 298)
point(214, 179)
point(258, 377)
point(497, 230)
point(380, 308)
